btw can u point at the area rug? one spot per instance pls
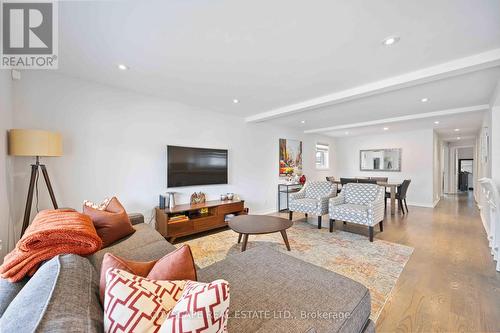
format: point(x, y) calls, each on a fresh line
point(376, 265)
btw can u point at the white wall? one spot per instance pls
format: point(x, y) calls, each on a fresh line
point(437, 168)
point(115, 144)
point(6, 112)
point(416, 164)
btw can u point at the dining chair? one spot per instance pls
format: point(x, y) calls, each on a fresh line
point(400, 195)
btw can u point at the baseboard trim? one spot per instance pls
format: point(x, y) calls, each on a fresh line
point(263, 212)
point(419, 204)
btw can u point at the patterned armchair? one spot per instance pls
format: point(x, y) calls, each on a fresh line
point(312, 199)
point(360, 204)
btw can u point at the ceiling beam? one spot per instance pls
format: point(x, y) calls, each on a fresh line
point(452, 68)
point(446, 112)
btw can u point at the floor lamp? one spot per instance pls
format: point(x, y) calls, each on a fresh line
point(35, 143)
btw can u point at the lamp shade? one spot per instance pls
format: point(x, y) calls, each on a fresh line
point(29, 142)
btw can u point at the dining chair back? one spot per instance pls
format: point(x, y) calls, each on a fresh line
point(367, 181)
point(344, 181)
point(381, 179)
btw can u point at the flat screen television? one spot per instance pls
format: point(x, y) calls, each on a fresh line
point(188, 166)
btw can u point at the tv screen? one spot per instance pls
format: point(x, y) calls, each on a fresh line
point(188, 166)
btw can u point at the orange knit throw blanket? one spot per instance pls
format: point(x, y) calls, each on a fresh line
point(52, 232)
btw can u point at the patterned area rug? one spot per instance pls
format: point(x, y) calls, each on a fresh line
point(376, 265)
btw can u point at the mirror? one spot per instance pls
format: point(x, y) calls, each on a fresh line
point(380, 160)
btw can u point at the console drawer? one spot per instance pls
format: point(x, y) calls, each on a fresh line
point(231, 208)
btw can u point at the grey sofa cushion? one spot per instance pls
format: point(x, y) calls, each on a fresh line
point(8, 291)
point(62, 296)
point(145, 244)
point(274, 292)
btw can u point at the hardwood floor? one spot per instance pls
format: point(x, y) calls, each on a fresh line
point(450, 283)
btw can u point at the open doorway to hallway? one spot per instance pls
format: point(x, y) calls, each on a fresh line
point(465, 174)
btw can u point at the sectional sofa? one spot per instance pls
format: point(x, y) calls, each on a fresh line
point(270, 291)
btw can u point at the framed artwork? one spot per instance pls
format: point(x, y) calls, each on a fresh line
point(290, 157)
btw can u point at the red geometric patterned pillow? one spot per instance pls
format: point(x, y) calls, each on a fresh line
point(202, 308)
point(136, 304)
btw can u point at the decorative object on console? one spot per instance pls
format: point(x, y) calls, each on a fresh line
point(290, 157)
point(162, 202)
point(52, 232)
point(223, 197)
point(176, 265)
point(171, 199)
point(37, 143)
point(302, 179)
point(197, 197)
point(230, 196)
point(110, 221)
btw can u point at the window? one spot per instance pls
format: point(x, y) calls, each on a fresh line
point(322, 156)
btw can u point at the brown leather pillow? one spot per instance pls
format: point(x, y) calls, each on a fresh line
point(111, 223)
point(177, 265)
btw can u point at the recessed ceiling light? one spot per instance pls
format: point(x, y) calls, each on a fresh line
point(236, 101)
point(425, 99)
point(458, 138)
point(457, 129)
point(390, 40)
point(436, 122)
point(346, 132)
point(386, 128)
point(122, 67)
point(302, 121)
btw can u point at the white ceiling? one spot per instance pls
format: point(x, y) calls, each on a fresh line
point(270, 54)
point(467, 123)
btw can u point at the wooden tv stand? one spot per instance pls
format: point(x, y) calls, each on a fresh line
point(212, 219)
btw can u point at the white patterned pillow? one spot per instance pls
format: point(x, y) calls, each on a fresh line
point(100, 206)
point(202, 308)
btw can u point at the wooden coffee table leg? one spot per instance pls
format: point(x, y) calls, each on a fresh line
point(245, 240)
point(285, 238)
point(239, 238)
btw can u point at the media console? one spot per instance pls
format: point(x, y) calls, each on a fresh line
point(199, 217)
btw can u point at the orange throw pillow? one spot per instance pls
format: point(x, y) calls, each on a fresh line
point(111, 222)
point(176, 265)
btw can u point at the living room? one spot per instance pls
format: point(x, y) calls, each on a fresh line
point(396, 94)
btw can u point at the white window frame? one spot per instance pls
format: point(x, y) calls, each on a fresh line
point(325, 149)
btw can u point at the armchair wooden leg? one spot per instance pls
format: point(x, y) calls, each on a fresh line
point(345, 222)
point(319, 222)
point(290, 215)
point(332, 221)
point(370, 231)
point(381, 224)
point(306, 215)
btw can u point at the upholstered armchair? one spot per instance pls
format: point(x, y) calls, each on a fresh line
point(312, 199)
point(360, 204)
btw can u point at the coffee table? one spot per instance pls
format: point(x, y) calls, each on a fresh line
point(246, 225)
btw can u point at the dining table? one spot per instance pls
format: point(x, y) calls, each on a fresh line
point(389, 185)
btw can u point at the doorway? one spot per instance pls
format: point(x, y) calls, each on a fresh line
point(465, 174)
